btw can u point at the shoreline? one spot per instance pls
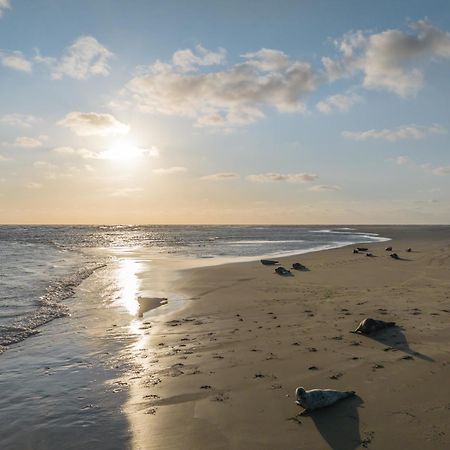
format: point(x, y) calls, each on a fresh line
point(221, 371)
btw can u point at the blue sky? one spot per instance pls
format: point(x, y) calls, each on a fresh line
point(224, 112)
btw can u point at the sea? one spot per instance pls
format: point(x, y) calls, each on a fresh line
point(68, 315)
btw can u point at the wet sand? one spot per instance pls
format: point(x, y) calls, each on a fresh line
point(221, 372)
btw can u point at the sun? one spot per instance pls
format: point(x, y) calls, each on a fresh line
point(125, 150)
point(122, 151)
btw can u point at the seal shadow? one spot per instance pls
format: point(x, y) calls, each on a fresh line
point(395, 337)
point(401, 258)
point(339, 423)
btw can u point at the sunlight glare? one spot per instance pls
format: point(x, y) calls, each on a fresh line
point(122, 151)
point(129, 285)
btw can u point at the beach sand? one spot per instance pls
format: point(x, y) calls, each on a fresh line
point(221, 372)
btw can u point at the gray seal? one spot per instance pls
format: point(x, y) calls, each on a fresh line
point(319, 398)
point(369, 326)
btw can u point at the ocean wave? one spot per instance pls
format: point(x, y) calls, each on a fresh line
point(258, 242)
point(49, 308)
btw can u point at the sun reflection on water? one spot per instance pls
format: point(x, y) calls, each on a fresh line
point(129, 285)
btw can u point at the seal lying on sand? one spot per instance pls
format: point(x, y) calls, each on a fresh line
point(394, 256)
point(369, 326)
point(282, 271)
point(319, 398)
point(269, 262)
point(388, 249)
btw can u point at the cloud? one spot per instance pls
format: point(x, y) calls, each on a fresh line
point(402, 160)
point(85, 58)
point(18, 120)
point(29, 142)
point(290, 178)
point(391, 60)
point(81, 152)
point(338, 102)
point(187, 60)
point(325, 188)
point(442, 171)
point(170, 170)
point(234, 96)
point(125, 192)
point(114, 153)
point(4, 4)
point(395, 134)
point(4, 158)
point(223, 176)
point(15, 60)
point(268, 60)
point(93, 124)
point(33, 185)
point(44, 165)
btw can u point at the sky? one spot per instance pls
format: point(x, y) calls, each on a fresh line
point(210, 112)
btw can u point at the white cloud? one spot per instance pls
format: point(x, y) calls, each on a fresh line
point(81, 152)
point(395, 134)
point(390, 60)
point(170, 170)
point(223, 176)
point(268, 60)
point(338, 102)
point(442, 171)
point(4, 4)
point(290, 177)
point(18, 120)
point(325, 188)
point(91, 123)
point(29, 142)
point(44, 165)
point(125, 192)
point(85, 58)
point(187, 60)
point(53, 172)
point(117, 152)
point(4, 158)
point(402, 160)
point(234, 96)
point(33, 185)
point(15, 60)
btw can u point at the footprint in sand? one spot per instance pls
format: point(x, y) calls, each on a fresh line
point(336, 376)
point(221, 397)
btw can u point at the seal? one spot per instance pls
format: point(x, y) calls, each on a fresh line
point(282, 271)
point(319, 398)
point(369, 326)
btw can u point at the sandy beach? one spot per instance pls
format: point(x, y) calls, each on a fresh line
point(221, 372)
